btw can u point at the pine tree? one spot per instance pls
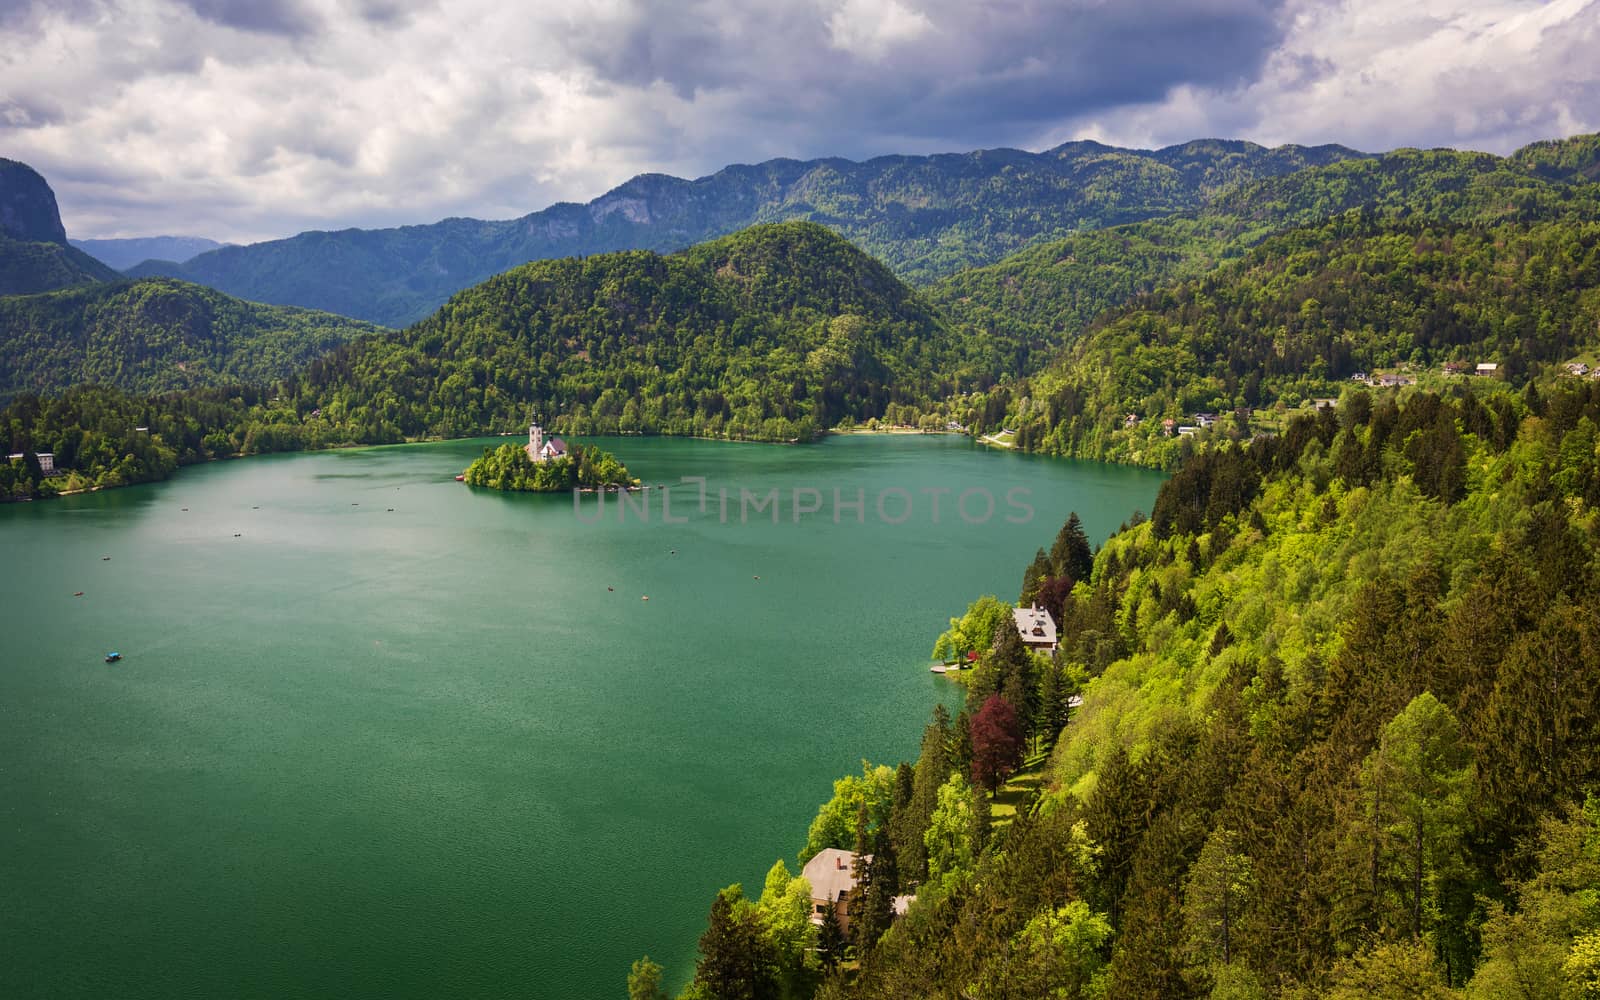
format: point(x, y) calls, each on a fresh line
point(1071, 555)
point(933, 768)
point(1036, 573)
point(830, 938)
point(982, 820)
point(961, 743)
point(901, 827)
point(1051, 713)
point(873, 903)
point(734, 963)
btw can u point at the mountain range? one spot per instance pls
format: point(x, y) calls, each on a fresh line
point(924, 216)
point(125, 253)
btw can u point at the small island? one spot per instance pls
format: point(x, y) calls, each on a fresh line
point(546, 466)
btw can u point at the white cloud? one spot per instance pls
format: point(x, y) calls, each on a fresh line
point(1376, 74)
point(868, 28)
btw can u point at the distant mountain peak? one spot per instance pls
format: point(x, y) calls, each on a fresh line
point(28, 209)
point(125, 253)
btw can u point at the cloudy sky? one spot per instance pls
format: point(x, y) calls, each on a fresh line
point(251, 119)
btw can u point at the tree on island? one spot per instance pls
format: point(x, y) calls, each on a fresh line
point(508, 467)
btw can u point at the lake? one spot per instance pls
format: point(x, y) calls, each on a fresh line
point(377, 733)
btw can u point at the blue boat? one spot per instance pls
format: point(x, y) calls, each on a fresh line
point(113, 657)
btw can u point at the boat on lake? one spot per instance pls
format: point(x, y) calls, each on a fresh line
point(113, 657)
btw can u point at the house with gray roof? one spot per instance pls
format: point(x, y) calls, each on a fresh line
point(832, 874)
point(1037, 628)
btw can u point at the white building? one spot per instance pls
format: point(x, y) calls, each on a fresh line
point(540, 449)
point(47, 461)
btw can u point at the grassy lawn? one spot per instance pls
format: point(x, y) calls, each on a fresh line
point(1002, 440)
point(1017, 790)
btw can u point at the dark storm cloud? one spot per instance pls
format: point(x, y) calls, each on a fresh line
point(941, 70)
point(26, 113)
point(273, 17)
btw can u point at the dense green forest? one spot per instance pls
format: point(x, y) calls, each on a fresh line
point(31, 266)
point(508, 467)
point(1036, 301)
point(1337, 738)
point(924, 216)
point(157, 335)
point(775, 334)
point(1302, 314)
point(104, 437)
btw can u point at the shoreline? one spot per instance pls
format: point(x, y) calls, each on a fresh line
point(897, 430)
point(348, 446)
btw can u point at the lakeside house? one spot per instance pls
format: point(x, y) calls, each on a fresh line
point(539, 449)
point(1457, 367)
point(832, 874)
point(1487, 370)
point(1037, 628)
point(47, 461)
point(1324, 403)
point(1578, 369)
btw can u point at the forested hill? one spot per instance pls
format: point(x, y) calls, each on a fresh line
point(1337, 739)
point(157, 335)
point(1304, 313)
point(1044, 297)
point(925, 216)
point(772, 334)
point(34, 255)
point(775, 333)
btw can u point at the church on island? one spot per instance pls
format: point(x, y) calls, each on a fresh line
point(539, 449)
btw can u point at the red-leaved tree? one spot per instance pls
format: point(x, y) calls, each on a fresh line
point(996, 743)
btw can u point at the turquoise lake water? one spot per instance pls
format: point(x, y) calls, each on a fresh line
point(426, 752)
